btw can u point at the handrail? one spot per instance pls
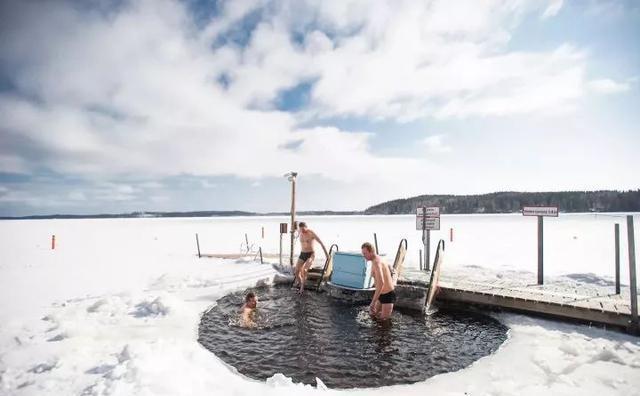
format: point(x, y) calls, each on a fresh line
point(326, 264)
point(435, 275)
point(406, 247)
point(435, 260)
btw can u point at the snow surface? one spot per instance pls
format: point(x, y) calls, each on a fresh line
point(114, 309)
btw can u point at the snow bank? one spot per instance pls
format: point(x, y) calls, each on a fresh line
point(122, 320)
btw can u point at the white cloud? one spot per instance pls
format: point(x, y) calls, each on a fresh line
point(137, 92)
point(208, 184)
point(608, 86)
point(435, 144)
point(552, 9)
point(77, 196)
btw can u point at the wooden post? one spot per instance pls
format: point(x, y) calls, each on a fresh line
point(632, 271)
point(293, 213)
point(375, 239)
point(450, 234)
point(540, 251)
point(198, 245)
point(616, 231)
point(261, 260)
point(53, 242)
point(263, 232)
point(420, 259)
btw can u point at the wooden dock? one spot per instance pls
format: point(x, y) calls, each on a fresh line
point(582, 302)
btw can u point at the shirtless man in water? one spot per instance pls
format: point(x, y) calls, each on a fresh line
point(385, 295)
point(248, 310)
point(307, 255)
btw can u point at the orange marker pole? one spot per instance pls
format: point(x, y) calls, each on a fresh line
point(53, 242)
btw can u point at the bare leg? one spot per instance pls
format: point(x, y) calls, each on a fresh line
point(385, 311)
point(304, 271)
point(296, 271)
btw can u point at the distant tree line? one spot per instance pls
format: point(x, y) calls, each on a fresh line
point(510, 202)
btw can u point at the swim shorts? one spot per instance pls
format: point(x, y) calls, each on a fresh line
point(304, 256)
point(388, 298)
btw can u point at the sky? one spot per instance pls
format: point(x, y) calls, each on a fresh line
point(110, 106)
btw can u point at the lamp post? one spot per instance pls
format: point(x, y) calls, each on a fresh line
point(291, 176)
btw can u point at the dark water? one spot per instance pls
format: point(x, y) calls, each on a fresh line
point(317, 336)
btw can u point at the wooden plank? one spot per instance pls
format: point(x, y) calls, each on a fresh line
point(580, 312)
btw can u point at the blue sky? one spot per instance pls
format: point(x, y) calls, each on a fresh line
point(118, 106)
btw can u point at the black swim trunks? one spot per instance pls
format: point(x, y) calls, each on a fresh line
point(388, 298)
point(304, 256)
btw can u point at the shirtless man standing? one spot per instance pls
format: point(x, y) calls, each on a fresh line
point(307, 255)
point(385, 295)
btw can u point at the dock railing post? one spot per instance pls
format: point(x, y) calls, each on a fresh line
point(540, 251)
point(632, 273)
point(616, 230)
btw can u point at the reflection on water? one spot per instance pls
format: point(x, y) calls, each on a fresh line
point(316, 336)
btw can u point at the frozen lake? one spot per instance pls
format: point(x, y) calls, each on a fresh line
point(114, 309)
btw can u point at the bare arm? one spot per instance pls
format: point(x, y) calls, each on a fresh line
point(317, 238)
point(379, 280)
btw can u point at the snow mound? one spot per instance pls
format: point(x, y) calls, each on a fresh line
point(590, 278)
point(156, 307)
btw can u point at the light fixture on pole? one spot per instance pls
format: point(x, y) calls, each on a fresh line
point(291, 176)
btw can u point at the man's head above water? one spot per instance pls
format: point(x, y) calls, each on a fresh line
point(250, 300)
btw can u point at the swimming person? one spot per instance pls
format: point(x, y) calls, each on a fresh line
point(248, 310)
point(307, 255)
point(385, 296)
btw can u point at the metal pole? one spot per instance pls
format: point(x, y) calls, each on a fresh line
point(617, 252)
point(281, 248)
point(198, 244)
point(420, 259)
point(375, 239)
point(428, 250)
point(293, 214)
point(540, 250)
point(425, 265)
point(632, 271)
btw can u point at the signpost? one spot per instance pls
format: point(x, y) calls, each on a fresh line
point(540, 212)
point(427, 219)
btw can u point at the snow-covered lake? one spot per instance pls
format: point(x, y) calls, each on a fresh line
point(114, 308)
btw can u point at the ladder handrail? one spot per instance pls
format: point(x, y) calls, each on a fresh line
point(406, 248)
point(326, 264)
point(435, 260)
point(435, 268)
